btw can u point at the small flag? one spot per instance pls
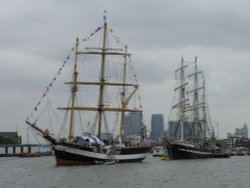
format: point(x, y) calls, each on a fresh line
point(98, 28)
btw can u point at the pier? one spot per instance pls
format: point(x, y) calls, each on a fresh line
point(14, 150)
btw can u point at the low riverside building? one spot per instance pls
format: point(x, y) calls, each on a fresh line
point(10, 138)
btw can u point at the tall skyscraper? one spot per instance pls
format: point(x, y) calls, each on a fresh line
point(157, 127)
point(133, 123)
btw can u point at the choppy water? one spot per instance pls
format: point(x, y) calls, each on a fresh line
point(207, 173)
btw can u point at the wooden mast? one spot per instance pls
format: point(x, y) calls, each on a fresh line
point(102, 81)
point(73, 93)
point(123, 94)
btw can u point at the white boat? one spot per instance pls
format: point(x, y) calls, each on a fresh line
point(158, 151)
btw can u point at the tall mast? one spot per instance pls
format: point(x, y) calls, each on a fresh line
point(182, 98)
point(73, 93)
point(102, 80)
point(204, 107)
point(182, 103)
point(195, 99)
point(123, 94)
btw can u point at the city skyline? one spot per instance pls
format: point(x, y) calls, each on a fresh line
point(240, 132)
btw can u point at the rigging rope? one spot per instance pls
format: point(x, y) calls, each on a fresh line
point(93, 128)
point(58, 73)
point(106, 123)
point(50, 85)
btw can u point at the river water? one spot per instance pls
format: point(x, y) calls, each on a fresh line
point(41, 172)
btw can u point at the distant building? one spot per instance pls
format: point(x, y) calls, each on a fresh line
point(231, 140)
point(223, 144)
point(242, 132)
point(10, 138)
point(244, 142)
point(133, 124)
point(157, 127)
point(239, 138)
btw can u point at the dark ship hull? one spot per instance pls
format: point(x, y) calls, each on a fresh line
point(75, 155)
point(187, 151)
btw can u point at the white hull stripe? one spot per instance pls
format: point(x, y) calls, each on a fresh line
point(197, 152)
point(99, 155)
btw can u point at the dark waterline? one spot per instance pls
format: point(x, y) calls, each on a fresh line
point(41, 172)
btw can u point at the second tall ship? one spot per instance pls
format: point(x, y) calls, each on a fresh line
point(190, 135)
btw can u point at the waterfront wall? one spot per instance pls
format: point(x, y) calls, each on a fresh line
point(12, 150)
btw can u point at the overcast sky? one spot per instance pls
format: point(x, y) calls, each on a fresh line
point(35, 37)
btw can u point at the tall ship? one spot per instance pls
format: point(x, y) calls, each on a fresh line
point(83, 116)
point(190, 135)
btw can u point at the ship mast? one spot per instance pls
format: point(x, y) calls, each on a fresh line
point(196, 98)
point(195, 108)
point(182, 98)
point(123, 94)
point(195, 101)
point(102, 80)
point(204, 107)
point(181, 105)
point(73, 93)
